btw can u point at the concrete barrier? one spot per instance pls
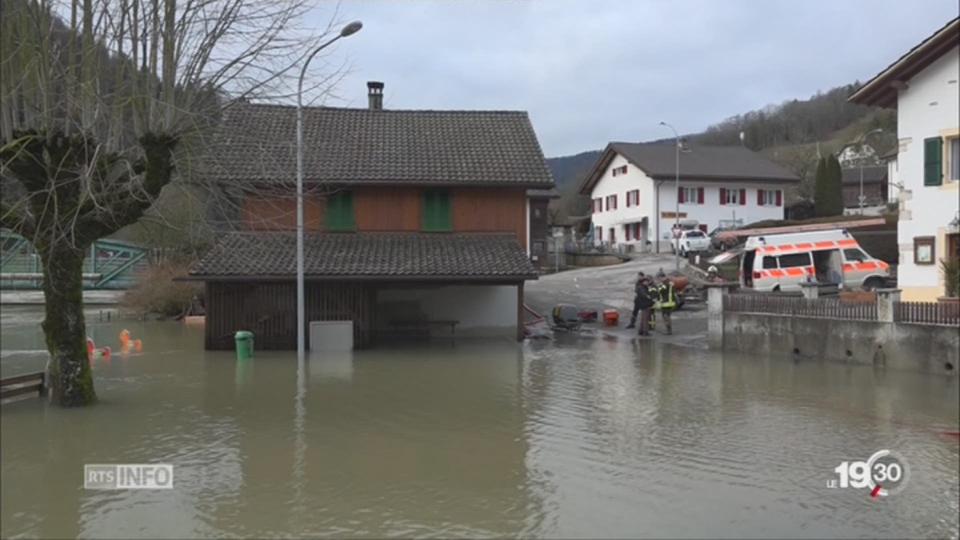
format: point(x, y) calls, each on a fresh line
point(926, 348)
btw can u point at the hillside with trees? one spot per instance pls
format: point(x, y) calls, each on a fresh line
point(795, 134)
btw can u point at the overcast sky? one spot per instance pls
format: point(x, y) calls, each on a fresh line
point(592, 71)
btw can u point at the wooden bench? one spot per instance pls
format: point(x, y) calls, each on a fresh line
point(424, 325)
point(22, 384)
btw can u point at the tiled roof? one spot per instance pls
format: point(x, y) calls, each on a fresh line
point(700, 163)
point(272, 255)
point(256, 143)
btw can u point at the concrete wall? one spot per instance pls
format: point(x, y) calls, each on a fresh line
point(910, 347)
point(927, 108)
point(710, 213)
point(483, 310)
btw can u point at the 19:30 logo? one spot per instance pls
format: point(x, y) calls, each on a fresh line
point(884, 473)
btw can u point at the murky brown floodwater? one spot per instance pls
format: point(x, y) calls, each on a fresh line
point(589, 438)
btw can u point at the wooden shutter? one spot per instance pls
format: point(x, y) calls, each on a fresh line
point(680, 195)
point(340, 212)
point(759, 197)
point(743, 197)
point(627, 230)
point(436, 210)
point(723, 196)
point(699, 195)
point(932, 161)
point(779, 198)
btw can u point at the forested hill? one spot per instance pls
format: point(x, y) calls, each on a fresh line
point(785, 132)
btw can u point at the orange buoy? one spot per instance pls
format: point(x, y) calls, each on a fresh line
point(106, 352)
point(91, 347)
point(137, 345)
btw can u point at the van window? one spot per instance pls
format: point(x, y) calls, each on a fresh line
point(795, 259)
point(854, 255)
point(695, 234)
point(769, 262)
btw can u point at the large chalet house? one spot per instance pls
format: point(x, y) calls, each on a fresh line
point(411, 217)
point(924, 86)
point(634, 196)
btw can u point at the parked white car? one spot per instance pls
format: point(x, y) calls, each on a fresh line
point(692, 241)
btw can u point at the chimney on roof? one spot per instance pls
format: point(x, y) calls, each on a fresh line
point(375, 95)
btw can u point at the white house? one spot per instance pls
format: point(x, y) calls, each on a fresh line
point(923, 86)
point(634, 195)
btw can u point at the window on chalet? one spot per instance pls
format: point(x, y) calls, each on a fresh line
point(611, 202)
point(340, 212)
point(436, 210)
point(633, 197)
point(953, 155)
point(597, 205)
point(620, 170)
point(733, 196)
point(769, 197)
point(691, 195)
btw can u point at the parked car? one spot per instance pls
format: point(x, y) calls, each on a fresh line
point(721, 242)
point(691, 242)
point(781, 262)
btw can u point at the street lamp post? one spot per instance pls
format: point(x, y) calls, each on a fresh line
point(347, 30)
point(676, 214)
point(862, 140)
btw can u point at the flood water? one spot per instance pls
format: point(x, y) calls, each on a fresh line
point(576, 438)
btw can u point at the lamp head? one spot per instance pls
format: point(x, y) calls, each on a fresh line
point(351, 28)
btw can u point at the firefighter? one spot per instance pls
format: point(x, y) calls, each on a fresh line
point(645, 302)
point(667, 301)
point(636, 299)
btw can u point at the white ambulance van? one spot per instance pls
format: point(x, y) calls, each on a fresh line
point(781, 262)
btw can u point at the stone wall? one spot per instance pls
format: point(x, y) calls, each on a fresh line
point(914, 347)
point(926, 348)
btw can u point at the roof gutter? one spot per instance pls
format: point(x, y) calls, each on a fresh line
point(382, 278)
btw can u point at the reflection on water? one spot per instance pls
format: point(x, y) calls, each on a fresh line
point(572, 438)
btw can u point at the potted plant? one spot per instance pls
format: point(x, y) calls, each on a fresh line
point(951, 280)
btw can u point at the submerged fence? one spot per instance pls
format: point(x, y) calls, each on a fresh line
point(939, 313)
point(794, 306)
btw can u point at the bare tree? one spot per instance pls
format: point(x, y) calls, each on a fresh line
point(100, 101)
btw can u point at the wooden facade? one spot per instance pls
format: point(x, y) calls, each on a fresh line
point(389, 209)
point(269, 310)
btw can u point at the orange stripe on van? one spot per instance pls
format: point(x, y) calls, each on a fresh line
point(795, 271)
point(847, 243)
point(827, 244)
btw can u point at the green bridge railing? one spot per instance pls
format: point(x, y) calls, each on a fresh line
point(111, 264)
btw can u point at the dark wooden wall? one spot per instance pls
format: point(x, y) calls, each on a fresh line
point(384, 209)
point(491, 210)
point(539, 231)
point(279, 213)
point(387, 209)
point(269, 310)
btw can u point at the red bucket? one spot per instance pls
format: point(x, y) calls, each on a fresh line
point(611, 317)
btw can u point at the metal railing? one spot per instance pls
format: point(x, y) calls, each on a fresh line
point(936, 313)
point(822, 308)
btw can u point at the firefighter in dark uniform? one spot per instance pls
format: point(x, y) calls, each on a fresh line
point(666, 301)
point(636, 299)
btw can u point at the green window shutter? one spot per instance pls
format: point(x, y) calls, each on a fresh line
point(436, 210)
point(933, 161)
point(340, 212)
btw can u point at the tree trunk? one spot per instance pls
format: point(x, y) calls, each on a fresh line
point(68, 370)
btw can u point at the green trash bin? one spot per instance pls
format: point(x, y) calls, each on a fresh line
point(244, 342)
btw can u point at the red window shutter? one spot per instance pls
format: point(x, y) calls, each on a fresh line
point(699, 195)
point(626, 231)
point(779, 198)
point(723, 196)
point(743, 197)
point(614, 202)
point(759, 197)
point(680, 195)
